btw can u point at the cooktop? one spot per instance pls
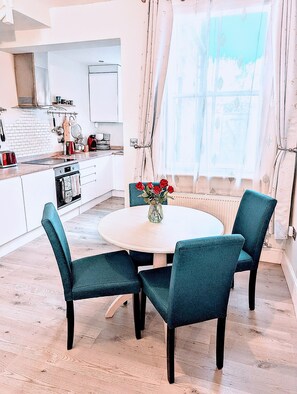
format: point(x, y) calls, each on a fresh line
point(49, 161)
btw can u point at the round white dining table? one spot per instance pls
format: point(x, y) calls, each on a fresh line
point(130, 229)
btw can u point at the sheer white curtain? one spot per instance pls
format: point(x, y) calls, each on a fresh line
point(210, 138)
point(154, 73)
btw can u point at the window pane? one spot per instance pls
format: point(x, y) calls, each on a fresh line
point(212, 100)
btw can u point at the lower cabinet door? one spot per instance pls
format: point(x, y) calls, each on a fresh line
point(118, 172)
point(104, 175)
point(12, 212)
point(38, 188)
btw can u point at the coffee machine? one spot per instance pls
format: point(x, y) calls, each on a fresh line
point(103, 141)
point(92, 142)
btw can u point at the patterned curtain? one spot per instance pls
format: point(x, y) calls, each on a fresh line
point(285, 105)
point(154, 73)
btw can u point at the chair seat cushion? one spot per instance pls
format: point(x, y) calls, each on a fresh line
point(155, 283)
point(104, 275)
point(141, 258)
point(245, 262)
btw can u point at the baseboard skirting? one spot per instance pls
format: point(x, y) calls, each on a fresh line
point(291, 280)
point(272, 255)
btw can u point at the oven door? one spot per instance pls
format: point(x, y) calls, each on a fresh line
point(68, 189)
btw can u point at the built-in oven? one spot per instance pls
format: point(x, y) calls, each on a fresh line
point(67, 180)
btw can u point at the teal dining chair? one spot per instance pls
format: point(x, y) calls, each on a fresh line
point(142, 258)
point(194, 289)
point(251, 221)
point(101, 275)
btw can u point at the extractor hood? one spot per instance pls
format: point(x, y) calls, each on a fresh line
point(32, 82)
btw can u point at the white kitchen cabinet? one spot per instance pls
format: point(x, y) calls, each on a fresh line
point(96, 178)
point(118, 172)
point(38, 188)
point(105, 93)
point(13, 220)
point(104, 175)
point(88, 180)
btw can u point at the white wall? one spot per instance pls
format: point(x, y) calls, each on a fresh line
point(27, 131)
point(125, 20)
point(69, 79)
point(68, 74)
point(289, 263)
point(8, 96)
point(291, 248)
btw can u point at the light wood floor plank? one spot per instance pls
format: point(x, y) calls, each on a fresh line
point(260, 349)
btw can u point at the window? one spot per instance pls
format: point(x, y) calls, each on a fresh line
point(212, 103)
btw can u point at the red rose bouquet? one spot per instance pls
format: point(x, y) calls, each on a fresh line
point(155, 194)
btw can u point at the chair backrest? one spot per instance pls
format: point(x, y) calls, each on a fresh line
point(54, 229)
point(252, 220)
point(202, 272)
point(134, 195)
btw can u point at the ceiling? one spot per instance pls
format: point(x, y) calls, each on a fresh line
point(90, 52)
point(25, 22)
point(21, 22)
point(85, 52)
point(67, 3)
point(107, 51)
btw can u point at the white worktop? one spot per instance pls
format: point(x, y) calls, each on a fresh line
point(23, 169)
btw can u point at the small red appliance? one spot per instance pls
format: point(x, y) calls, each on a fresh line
point(92, 142)
point(7, 159)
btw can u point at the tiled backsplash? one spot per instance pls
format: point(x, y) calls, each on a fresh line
point(28, 132)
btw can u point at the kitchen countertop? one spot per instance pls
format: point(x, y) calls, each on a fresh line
point(24, 169)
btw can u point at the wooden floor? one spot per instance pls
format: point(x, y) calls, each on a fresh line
point(260, 350)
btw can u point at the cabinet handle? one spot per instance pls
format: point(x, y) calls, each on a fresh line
point(93, 180)
point(86, 168)
point(86, 175)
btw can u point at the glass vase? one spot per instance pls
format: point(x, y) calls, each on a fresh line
point(155, 213)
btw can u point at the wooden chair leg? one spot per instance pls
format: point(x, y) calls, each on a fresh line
point(252, 289)
point(170, 354)
point(142, 310)
point(220, 342)
point(136, 311)
point(70, 324)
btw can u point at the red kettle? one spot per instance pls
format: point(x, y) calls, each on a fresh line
point(92, 142)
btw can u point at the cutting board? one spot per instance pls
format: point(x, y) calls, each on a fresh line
point(66, 128)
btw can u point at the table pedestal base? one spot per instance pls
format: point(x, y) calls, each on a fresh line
point(119, 301)
point(159, 261)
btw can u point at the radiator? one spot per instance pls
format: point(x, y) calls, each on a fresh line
point(222, 207)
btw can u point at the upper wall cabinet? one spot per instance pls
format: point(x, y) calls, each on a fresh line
point(105, 93)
